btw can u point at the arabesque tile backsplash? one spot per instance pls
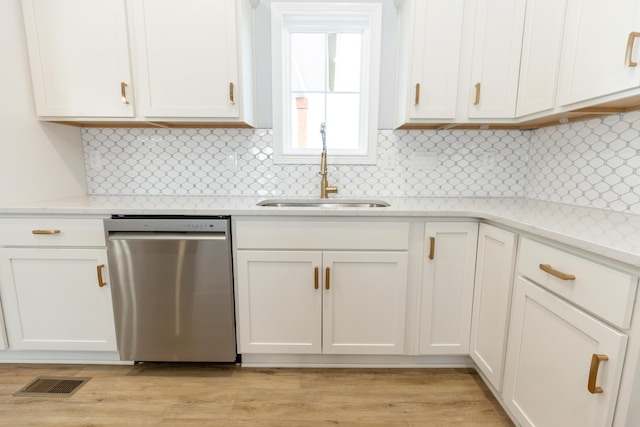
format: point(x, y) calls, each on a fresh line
point(591, 163)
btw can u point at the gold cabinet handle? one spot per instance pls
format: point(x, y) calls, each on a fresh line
point(593, 372)
point(232, 99)
point(630, 43)
point(477, 100)
point(417, 100)
point(316, 278)
point(552, 271)
point(432, 247)
point(101, 282)
point(45, 231)
point(327, 274)
point(123, 92)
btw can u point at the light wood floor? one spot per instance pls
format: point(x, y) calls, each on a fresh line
point(214, 395)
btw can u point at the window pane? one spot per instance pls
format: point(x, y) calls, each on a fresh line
point(307, 112)
point(308, 61)
point(343, 121)
point(346, 62)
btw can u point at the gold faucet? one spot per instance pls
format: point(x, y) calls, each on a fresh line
point(325, 188)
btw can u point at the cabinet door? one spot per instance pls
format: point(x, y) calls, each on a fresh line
point(52, 299)
point(364, 302)
point(79, 57)
point(279, 304)
point(594, 60)
point(435, 58)
point(541, 48)
point(447, 287)
point(549, 362)
point(491, 301)
point(186, 54)
point(497, 43)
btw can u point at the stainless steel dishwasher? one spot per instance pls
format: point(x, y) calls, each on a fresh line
point(172, 288)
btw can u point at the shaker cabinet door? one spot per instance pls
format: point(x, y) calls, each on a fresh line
point(497, 44)
point(57, 299)
point(79, 54)
point(186, 55)
point(447, 287)
point(364, 306)
point(598, 54)
point(279, 304)
point(435, 58)
point(495, 267)
point(550, 378)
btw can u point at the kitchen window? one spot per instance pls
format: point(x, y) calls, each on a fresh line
point(326, 60)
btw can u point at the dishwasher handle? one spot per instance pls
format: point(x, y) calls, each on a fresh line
point(146, 235)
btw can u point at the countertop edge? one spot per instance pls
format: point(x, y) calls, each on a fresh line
point(589, 229)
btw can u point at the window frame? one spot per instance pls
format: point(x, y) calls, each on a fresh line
point(323, 17)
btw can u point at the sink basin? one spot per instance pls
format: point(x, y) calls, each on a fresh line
point(323, 203)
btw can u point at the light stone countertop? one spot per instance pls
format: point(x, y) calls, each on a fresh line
point(610, 234)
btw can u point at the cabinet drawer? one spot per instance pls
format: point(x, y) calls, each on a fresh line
point(602, 290)
point(301, 234)
point(55, 232)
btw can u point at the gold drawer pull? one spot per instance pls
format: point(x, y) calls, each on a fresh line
point(630, 43)
point(477, 100)
point(593, 372)
point(417, 100)
point(560, 275)
point(432, 247)
point(101, 282)
point(316, 280)
point(232, 99)
point(45, 231)
point(123, 93)
point(327, 274)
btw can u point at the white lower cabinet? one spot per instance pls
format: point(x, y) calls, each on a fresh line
point(279, 304)
point(321, 286)
point(550, 377)
point(312, 302)
point(568, 333)
point(57, 299)
point(495, 267)
point(447, 287)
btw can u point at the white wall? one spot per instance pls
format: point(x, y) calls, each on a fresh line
point(38, 161)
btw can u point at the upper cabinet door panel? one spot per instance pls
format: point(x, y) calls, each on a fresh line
point(541, 48)
point(79, 57)
point(186, 53)
point(496, 58)
point(437, 29)
point(594, 60)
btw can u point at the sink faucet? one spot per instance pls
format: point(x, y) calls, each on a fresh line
point(325, 188)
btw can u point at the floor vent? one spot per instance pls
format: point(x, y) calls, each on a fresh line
point(52, 387)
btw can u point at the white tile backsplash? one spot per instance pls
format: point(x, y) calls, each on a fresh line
point(594, 163)
point(239, 162)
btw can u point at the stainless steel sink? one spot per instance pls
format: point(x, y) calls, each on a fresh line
point(323, 203)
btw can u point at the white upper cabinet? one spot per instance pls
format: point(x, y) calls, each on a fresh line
point(188, 56)
point(541, 49)
point(79, 57)
point(458, 60)
point(190, 60)
point(599, 52)
point(430, 47)
point(497, 42)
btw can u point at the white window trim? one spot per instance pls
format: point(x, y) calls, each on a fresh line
point(280, 14)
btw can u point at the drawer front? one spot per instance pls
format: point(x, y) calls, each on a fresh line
point(51, 232)
point(604, 291)
point(299, 234)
